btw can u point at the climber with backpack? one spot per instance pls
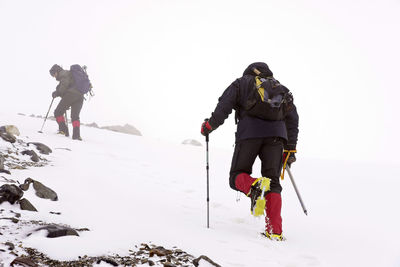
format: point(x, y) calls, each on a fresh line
point(73, 85)
point(267, 127)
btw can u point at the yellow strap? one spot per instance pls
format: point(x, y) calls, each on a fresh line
point(259, 88)
point(286, 159)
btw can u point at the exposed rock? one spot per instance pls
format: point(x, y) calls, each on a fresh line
point(63, 148)
point(54, 230)
point(23, 261)
point(174, 257)
point(192, 142)
point(109, 261)
point(10, 245)
point(159, 251)
point(196, 262)
point(2, 160)
point(8, 137)
point(34, 156)
point(93, 124)
point(25, 186)
point(42, 191)
point(128, 129)
point(41, 147)
point(10, 193)
point(10, 129)
point(14, 220)
point(26, 205)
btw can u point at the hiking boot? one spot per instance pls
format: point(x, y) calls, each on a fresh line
point(63, 128)
point(275, 237)
point(63, 133)
point(76, 134)
point(257, 195)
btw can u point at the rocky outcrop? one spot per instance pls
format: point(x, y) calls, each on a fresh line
point(10, 193)
point(41, 190)
point(25, 204)
point(8, 137)
point(93, 124)
point(128, 129)
point(41, 147)
point(34, 156)
point(55, 230)
point(192, 142)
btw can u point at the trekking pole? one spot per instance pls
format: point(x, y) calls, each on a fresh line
point(66, 121)
point(46, 115)
point(208, 191)
point(295, 189)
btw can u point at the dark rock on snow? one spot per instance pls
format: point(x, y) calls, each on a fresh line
point(2, 160)
point(58, 230)
point(8, 137)
point(196, 262)
point(41, 147)
point(23, 261)
point(42, 191)
point(26, 205)
point(10, 193)
point(34, 156)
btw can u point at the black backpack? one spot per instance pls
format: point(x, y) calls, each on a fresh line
point(268, 100)
point(81, 78)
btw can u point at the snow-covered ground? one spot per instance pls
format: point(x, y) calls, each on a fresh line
point(130, 190)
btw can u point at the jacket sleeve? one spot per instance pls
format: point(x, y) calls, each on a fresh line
point(64, 85)
point(292, 127)
point(226, 103)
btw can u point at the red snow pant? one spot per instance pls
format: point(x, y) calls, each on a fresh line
point(269, 150)
point(273, 206)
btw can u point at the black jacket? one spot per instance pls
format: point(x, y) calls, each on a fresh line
point(66, 84)
point(235, 96)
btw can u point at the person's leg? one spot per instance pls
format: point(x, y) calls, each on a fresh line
point(75, 111)
point(243, 159)
point(59, 115)
point(271, 163)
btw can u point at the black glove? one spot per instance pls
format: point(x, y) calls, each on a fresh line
point(291, 159)
point(206, 128)
point(54, 94)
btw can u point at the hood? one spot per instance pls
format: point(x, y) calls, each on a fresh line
point(261, 66)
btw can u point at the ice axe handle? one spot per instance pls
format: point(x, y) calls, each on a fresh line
point(297, 191)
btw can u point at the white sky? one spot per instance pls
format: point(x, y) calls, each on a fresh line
point(161, 65)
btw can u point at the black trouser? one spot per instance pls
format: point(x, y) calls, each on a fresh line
point(269, 150)
point(73, 100)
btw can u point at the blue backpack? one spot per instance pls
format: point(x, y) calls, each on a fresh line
point(82, 82)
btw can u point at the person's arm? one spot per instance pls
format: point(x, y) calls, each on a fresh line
point(226, 103)
point(64, 84)
point(292, 127)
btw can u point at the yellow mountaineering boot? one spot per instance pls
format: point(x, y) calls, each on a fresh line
point(275, 237)
point(257, 195)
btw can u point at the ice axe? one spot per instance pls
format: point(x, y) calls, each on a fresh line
point(46, 116)
point(295, 189)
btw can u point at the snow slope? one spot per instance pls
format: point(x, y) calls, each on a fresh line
point(131, 189)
